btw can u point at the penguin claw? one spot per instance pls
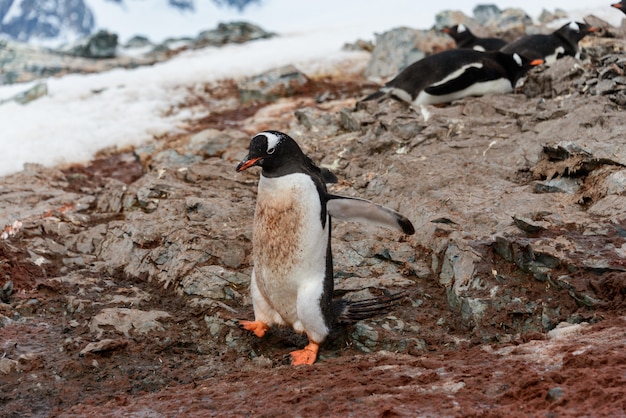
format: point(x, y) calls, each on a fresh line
point(307, 355)
point(257, 327)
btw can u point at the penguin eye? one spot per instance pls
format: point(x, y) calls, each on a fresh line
point(271, 150)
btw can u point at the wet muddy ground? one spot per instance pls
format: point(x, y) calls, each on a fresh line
point(60, 356)
point(174, 371)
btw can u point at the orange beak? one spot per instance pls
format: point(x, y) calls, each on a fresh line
point(536, 62)
point(245, 164)
point(593, 29)
point(617, 5)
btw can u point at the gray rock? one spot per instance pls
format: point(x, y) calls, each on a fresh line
point(104, 345)
point(513, 20)
point(547, 16)
point(365, 337)
point(233, 32)
point(102, 44)
point(395, 50)
point(125, 320)
point(557, 79)
point(6, 291)
point(529, 224)
point(33, 93)
point(359, 45)
point(171, 158)
point(20, 62)
point(213, 282)
point(484, 13)
point(43, 21)
point(138, 41)
point(324, 124)
point(273, 84)
point(557, 185)
point(210, 142)
point(616, 182)
point(448, 18)
point(8, 366)
point(555, 394)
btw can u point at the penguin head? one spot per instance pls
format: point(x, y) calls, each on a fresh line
point(515, 65)
point(458, 32)
point(522, 63)
point(271, 150)
point(620, 6)
point(576, 30)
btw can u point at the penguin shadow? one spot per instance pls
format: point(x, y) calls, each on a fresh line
point(278, 342)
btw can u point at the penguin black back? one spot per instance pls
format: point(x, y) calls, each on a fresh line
point(464, 38)
point(456, 73)
point(550, 47)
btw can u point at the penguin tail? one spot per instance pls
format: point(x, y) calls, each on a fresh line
point(373, 96)
point(348, 312)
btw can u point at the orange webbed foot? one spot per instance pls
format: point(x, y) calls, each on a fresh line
point(305, 356)
point(259, 328)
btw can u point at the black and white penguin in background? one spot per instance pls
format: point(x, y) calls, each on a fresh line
point(292, 277)
point(454, 74)
point(620, 6)
point(550, 47)
point(464, 38)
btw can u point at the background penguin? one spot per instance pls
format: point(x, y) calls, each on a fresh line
point(563, 41)
point(292, 277)
point(620, 6)
point(454, 74)
point(464, 38)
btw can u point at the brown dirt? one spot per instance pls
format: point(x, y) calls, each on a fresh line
point(174, 372)
point(168, 373)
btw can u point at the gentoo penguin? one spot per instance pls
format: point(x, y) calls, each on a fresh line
point(292, 276)
point(550, 47)
point(464, 38)
point(620, 6)
point(454, 74)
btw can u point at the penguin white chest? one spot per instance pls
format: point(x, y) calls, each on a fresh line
point(289, 242)
point(558, 51)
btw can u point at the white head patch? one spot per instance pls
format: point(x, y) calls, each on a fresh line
point(574, 26)
point(461, 28)
point(272, 141)
point(517, 59)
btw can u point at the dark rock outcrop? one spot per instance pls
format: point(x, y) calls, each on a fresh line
point(21, 62)
point(45, 19)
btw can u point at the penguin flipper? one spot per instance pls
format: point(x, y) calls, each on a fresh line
point(355, 209)
point(469, 76)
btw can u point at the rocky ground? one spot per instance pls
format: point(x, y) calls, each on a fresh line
point(123, 279)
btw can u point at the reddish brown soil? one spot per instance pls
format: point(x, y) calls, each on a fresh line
point(176, 373)
point(179, 371)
